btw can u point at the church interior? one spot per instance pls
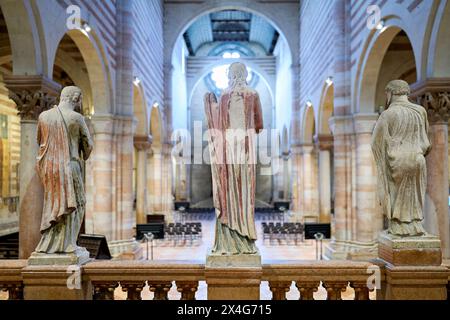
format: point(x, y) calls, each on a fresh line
point(320, 68)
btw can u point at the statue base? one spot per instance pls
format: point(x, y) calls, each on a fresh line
point(410, 251)
point(79, 257)
point(412, 268)
point(232, 260)
point(233, 277)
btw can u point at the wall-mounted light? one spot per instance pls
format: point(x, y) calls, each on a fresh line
point(309, 103)
point(380, 25)
point(155, 105)
point(86, 27)
point(136, 81)
point(329, 81)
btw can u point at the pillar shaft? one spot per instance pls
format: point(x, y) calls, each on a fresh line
point(434, 96)
point(368, 220)
point(325, 144)
point(43, 93)
point(142, 145)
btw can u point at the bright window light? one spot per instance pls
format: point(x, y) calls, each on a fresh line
point(231, 55)
point(220, 77)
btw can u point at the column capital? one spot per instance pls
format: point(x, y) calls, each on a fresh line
point(324, 142)
point(434, 95)
point(32, 94)
point(142, 143)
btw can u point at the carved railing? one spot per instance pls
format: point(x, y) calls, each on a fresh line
point(133, 277)
point(334, 276)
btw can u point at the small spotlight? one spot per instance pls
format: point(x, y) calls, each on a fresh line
point(136, 81)
point(86, 27)
point(329, 81)
point(380, 25)
point(309, 103)
point(156, 105)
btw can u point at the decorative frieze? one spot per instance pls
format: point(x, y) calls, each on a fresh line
point(434, 96)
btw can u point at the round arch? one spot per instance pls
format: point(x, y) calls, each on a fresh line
point(438, 62)
point(207, 69)
point(140, 111)
point(156, 126)
point(371, 60)
point(188, 18)
point(25, 44)
point(308, 125)
point(326, 109)
point(66, 62)
point(97, 66)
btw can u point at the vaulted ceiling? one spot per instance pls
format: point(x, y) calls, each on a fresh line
point(231, 26)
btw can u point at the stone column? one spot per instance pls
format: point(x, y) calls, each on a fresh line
point(369, 219)
point(100, 219)
point(126, 218)
point(342, 129)
point(325, 145)
point(286, 176)
point(154, 172)
point(297, 182)
point(311, 195)
point(32, 95)
point(142, 144)
point(434, 95)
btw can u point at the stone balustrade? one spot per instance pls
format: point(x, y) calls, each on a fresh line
point(103, 278)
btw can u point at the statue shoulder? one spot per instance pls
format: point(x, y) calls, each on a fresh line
point(45, 115)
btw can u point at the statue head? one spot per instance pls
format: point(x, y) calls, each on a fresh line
point(237, 75)
point(396, 88)
point(72, 96)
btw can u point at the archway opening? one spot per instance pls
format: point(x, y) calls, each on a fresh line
point(201, 56)
point(9, 141)
point(391, 57)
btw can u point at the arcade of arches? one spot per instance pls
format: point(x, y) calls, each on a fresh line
point(319, 66)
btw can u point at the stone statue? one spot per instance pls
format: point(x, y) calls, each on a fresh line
point(400, 144)
point(64, 142)
point(233, 124)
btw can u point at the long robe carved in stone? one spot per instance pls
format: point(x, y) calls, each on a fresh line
point(233, 124)
point(64, 141)
point(400, 143)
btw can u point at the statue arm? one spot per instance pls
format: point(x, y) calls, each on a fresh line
point(258, 115)
point(86, 141)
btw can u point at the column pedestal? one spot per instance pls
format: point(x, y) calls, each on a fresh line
point(413, 268)
point(55, 283)
point(233, 277)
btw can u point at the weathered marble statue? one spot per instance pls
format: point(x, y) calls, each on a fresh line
point(64, 142)
point(233, 124)
point(400, 144)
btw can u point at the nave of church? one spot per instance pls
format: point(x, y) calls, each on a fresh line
point(319, 68)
